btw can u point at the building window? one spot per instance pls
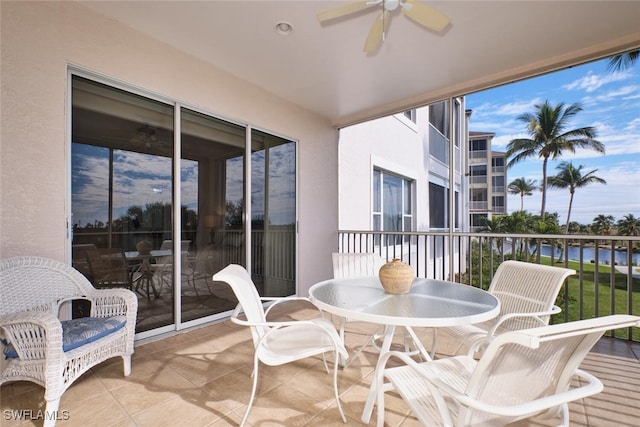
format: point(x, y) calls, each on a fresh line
point(478, 145)
point(410, 114)
point(439, 206)
point(439, 117)
point(478, 220)
point(392, 202)
point(498, 183)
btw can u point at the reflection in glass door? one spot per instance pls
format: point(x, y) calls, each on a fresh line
point(121, 161)
point(212, 194)
point(273, 214)
point(123, 192)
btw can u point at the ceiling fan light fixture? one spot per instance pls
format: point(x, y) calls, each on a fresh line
point(283, 28)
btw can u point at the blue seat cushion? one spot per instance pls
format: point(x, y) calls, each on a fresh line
point(78, 332)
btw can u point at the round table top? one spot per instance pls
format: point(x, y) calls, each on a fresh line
point(430, 303)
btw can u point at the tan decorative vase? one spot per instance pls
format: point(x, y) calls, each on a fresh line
point(144, 247)
point(396, 277)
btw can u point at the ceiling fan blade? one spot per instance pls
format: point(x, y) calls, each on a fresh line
point(345, 9)
point(377, 31)
point(425, 15)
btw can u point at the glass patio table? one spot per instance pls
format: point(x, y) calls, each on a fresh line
point(430, 303)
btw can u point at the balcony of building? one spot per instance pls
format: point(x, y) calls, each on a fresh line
point(203, 378)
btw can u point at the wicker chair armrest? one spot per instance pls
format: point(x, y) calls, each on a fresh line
point(113, 302)
point(34, 335)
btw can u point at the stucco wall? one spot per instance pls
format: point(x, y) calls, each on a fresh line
point(39, 40)
point(392, 143)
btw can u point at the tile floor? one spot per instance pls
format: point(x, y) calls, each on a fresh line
point(202, 378)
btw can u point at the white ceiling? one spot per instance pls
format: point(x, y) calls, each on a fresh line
point(322, 67)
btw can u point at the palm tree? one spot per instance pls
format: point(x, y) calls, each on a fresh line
point(623, 61)
point(550, 139)
point(571, 177)
point(602, 224)
point(523, 187)
point(629, 226)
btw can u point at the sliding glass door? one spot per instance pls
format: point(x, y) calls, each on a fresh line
point(130, 169)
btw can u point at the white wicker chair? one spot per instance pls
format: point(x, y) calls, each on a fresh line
point(367, 265)
point(527, 294)
point(531, 373)
point(33, 290)
point(277, 343)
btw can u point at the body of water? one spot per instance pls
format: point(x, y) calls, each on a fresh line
point(588, 255)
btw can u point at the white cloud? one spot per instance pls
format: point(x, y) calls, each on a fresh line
point(592, 82)
point(623, 92)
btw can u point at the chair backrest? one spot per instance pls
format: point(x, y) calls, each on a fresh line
point(35, 283)
point(203, 263)
point(355, 264)
point(167, 245)
point(245, 290)
point(522, 366)
point(524, 287)
point(108, 266)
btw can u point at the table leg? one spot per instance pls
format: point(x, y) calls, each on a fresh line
point(420, 348)
point(389, 330)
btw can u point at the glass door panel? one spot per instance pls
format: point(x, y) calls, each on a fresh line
point(121, 201)
point(273, 214)
point(212, 205)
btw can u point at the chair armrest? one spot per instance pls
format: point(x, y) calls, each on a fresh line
point(593, 386)
point(33, 334)
point(113, 302)
point(535, 315)
point(280, 300)
point(438, 389)
point(323, 324)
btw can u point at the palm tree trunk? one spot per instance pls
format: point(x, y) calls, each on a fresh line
point(544, 186)
point(566, 227)
point(521, 201)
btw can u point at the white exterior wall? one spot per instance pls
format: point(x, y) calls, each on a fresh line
point(393, 143)
point(398, 145)
point(41, 39)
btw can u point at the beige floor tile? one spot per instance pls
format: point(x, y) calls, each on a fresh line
point(187, 409)
point(101, 409)
point(234, 389)
point(142, 394)
point(284, 406)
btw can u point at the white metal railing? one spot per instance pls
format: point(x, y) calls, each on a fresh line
point(608, 267)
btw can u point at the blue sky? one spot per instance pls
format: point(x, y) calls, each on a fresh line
point(611, 104)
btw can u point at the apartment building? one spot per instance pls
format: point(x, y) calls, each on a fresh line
point(487, 179)
point(399, 173)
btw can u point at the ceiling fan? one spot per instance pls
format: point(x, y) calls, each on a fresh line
point(424, 15)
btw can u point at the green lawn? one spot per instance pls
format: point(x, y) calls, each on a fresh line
point(585, 296)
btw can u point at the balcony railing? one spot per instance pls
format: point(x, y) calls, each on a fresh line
point(606, 281)
point(482, 205)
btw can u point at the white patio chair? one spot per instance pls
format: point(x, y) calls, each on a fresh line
point(162, 268)
point(277, 343)
point(40, 347)
point(527, 294)
point(200, 267)
point(533, 373)
point(366, 265)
